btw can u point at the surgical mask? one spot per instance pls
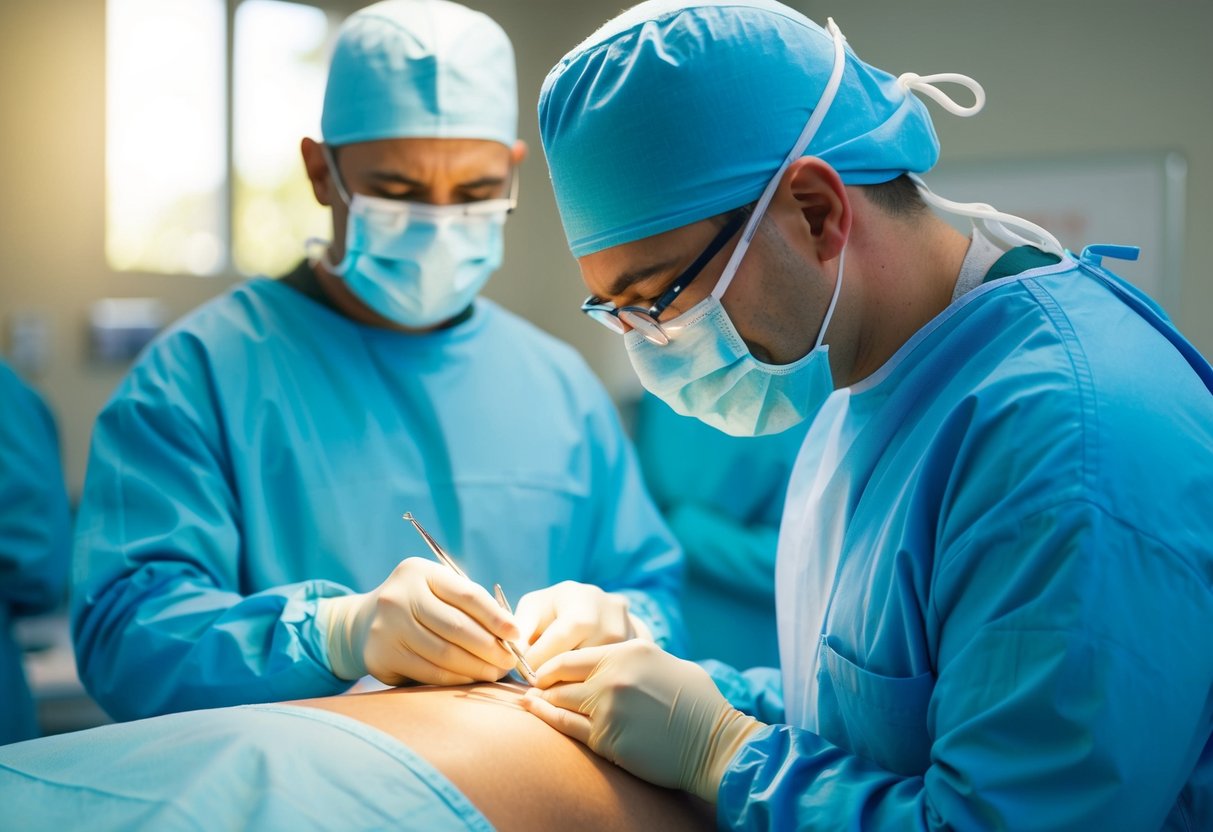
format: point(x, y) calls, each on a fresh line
point(707, 371)
point(417, 264)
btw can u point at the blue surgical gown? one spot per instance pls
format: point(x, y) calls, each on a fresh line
point(35, 537)
point(260, 454)
point(1016, 627)
point(722, 496)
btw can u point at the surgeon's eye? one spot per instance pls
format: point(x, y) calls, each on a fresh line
point(403, 194)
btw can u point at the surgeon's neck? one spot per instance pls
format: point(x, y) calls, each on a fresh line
point(348, 304)
point(906, 270)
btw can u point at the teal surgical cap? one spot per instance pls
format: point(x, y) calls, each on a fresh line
point(675, 112)
point(420, 69)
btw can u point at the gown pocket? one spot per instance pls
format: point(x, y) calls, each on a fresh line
point(881, 718)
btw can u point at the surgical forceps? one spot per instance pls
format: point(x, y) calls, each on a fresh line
point(520, 664)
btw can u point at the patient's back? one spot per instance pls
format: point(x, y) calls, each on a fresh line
point(513, 767)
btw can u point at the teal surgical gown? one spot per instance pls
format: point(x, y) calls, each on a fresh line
point(260, 454)
point(996, 581)
point(35, 537)
point(722, 496)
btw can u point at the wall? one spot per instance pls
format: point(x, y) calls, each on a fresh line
point(1061, 77)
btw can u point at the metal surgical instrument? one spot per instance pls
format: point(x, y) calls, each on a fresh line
point(521, 664)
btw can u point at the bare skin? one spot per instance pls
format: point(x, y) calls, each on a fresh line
point(900, 273)
point(515, 769)
point(433, 171)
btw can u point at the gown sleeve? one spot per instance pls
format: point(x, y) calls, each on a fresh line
point(1071, 692)
point(35, 525)
point(158, 619)
point(730, 552)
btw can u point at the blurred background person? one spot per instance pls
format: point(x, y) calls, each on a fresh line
point(722, 497)
point(35, 537)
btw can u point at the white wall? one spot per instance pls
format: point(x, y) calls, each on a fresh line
point(1062, 77)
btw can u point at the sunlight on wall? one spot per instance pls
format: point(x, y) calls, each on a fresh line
point(165, 127)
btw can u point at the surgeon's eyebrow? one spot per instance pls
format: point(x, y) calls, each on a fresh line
point(629, 279)
point(398, 179)
point(482, 182)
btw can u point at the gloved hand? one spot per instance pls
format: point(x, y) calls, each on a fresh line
point(569, 615)
point(656, 715)
point(424, 623)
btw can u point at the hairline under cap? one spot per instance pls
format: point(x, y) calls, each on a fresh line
point(345, 142)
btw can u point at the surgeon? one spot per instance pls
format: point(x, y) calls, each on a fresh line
point(994, 577)
point(240, 536)
point(722, 497)
point(35, 537)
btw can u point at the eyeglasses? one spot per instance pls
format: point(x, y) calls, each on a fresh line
point(645, 319)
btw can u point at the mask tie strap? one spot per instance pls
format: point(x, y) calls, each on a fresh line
point(999, 225)
point(995, 221)
point(316, 249)
point(335, 172)
point(798, 149)
point(925, 85)
point(825, 322)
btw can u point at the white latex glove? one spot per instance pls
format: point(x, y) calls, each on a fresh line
point(569, 615)
point(656, 715)
point(424, 623)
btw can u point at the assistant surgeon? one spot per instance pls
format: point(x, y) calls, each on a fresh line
point(240, 536)
point(994, 576)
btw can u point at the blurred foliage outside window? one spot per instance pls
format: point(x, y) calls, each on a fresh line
point(175, 202)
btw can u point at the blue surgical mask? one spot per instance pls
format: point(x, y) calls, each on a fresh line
point(417, 264)
point(707, 371)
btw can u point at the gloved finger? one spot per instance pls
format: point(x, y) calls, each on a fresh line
point(534, 613)
point(598, 618)
point(571, 696)
point(409, 667)
point(573, 666)
point(475, 601)
point(449, 638)
point(569, 723)
point(394, 662)
point(564, 634)
point(408, 608)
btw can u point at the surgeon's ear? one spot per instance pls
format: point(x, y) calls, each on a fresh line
point(317, 170)
point(814, 190)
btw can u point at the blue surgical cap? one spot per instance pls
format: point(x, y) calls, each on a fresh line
point(420, 69)
point(675, 112)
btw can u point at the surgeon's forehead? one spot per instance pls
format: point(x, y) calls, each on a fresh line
point(634, 269)
point(424, 157)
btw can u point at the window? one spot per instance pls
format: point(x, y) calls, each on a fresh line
point(184, 193)
point(164, 155)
